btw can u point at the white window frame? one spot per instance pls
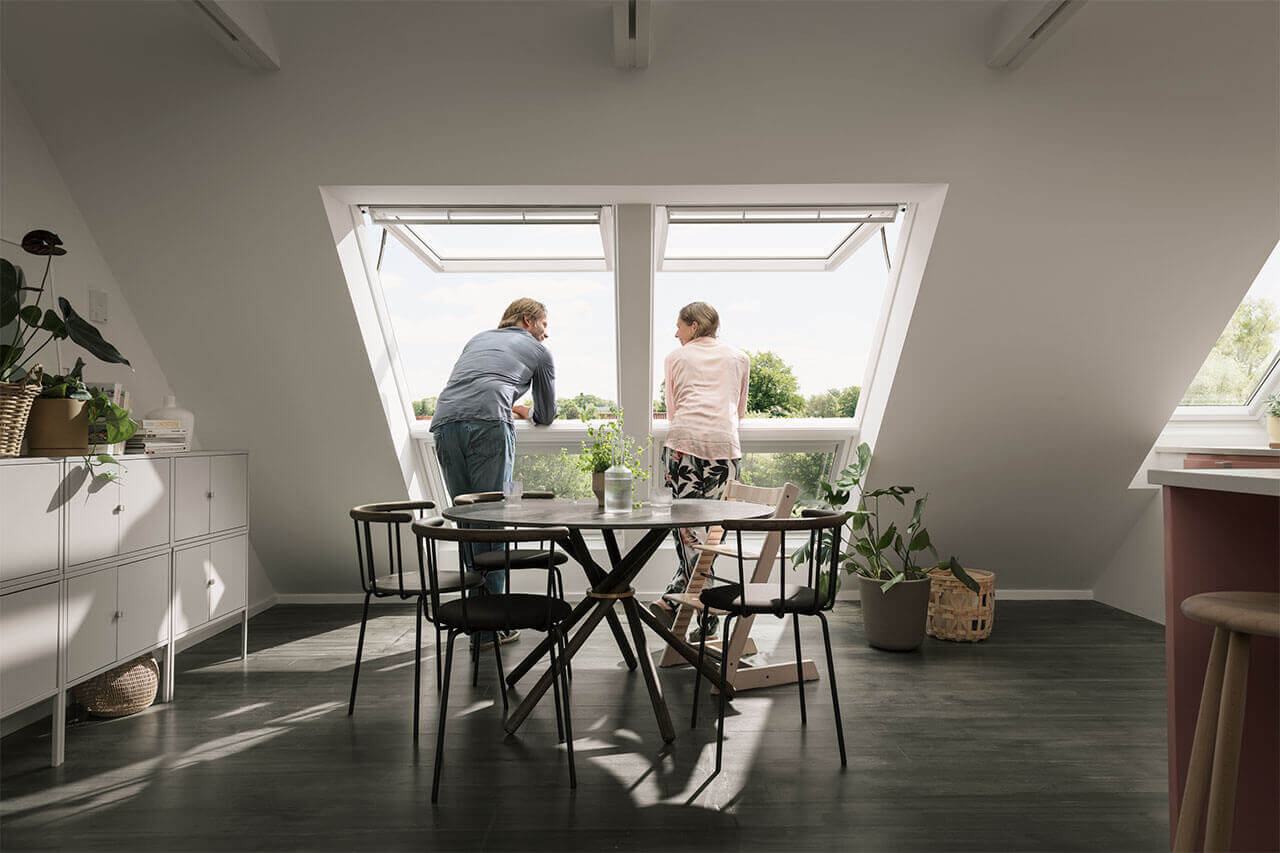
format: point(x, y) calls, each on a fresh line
point(758, 435)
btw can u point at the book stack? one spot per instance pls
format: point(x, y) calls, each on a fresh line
point(158, 436)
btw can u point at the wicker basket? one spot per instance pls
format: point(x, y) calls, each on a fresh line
point(125, 690)
point(15, 405)
point(956, 612)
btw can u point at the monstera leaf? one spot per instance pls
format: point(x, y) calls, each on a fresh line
point(87, 335)
point(11, 284)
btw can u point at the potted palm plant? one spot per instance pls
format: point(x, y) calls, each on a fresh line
point(893, 580)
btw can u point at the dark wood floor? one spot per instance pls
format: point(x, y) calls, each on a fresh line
point(1048, 736)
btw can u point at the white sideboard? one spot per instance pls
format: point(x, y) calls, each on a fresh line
point(96, 572)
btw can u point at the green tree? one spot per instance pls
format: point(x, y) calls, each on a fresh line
point(835, 403)
point(772, 388)
point(1238, 359)
point(660, 404)
point(583, 406)
point(424, 408)
point(774, 469)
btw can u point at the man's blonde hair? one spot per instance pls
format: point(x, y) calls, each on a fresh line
point(707, 318)
point(523, 308)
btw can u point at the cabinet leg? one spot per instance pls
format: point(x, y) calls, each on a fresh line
point(169, 661)
point(244, 634)
point(59, 728)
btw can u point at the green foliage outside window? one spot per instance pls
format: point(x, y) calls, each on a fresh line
point(1239, 359)
point(772, 388)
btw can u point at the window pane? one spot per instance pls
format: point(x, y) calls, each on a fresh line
point(756, 239)
point(809, 333)
point(467, 242)
point(775, 469)
point(549, 472)
point(1247, 347)
point(433, 315)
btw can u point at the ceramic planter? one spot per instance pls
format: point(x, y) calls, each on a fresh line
point(894, 620)
point(597, 486)
point(58, 428)
point(1273, 430)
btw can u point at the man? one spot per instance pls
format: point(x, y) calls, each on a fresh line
point(473, 425)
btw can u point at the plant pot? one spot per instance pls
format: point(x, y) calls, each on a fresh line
point(58, 428)
point(894, 620)
point(597, 486)
point(957, 612)
point(1273, 430)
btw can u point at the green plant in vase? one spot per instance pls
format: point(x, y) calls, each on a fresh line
point(606, 445)
point(107, 422)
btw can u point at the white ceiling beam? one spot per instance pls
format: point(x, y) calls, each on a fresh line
point(632, 33)
point(242, 27)
point(1019, 27)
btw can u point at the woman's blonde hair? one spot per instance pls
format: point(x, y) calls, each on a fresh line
point(523, 308)
point(704, 315)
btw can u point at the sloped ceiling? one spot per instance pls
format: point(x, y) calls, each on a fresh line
point(1109, 204)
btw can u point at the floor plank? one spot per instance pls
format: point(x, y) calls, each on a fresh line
point(1050, 735)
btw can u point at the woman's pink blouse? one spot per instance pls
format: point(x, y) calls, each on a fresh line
point(706, 385)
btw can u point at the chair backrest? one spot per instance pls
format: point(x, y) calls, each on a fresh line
point(389, 516)
point(735, 490)
point(432, 531)
point(487, 497)
point(783, 500)
point(823, 528)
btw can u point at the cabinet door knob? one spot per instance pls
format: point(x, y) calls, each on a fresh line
point(117, 614)
point(210, 583)
point(119, 508)
point(209, 495)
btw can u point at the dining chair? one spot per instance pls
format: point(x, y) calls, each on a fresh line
point(496, 612)
point(383, 575)
point(740, 599)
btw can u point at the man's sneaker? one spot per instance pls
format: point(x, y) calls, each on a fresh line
point(504, 637)
point(695, 636)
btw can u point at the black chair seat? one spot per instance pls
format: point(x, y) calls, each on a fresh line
point(521, 558)
point(391, 584)
point(762, 598)
point(504, 612)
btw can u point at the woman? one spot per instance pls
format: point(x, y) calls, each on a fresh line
point(706, 387)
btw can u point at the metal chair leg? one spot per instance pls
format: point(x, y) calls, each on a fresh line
point(702, 655)
point(355, 673)
point(555, 689)
point(502, 679)
point(835, 698)
point(439, 674)
point(475, 660)
point(795, 625)
point(568, 721)
point(417, 666)
point(724, 694)
point(444, 715)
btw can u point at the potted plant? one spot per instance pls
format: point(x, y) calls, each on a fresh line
point(893, 582)
point(1272, 408)
point(67, 411)
point(33, 329)
point(605, 445)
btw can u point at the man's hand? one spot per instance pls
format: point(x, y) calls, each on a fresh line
point(521, 412)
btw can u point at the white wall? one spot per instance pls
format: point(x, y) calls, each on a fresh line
point(1108, 205)
point(1133, 580)
point(33, 195)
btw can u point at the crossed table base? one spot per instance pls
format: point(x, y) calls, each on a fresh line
point(609, 588)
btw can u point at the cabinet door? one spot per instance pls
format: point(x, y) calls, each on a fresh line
point(229, 483)
point(93, 517)
point(190, 588)
point(29, 519)
point(142, 598)
point(91, 622)
point(190, 497)
point(28, 646)
point(229, 571)
point(144, 494)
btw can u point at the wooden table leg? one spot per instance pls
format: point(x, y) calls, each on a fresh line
point(543, 683)
point(646, 666)
point(710, 666)
point(577, 548)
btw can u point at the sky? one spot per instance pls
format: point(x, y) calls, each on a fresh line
point(820, 323)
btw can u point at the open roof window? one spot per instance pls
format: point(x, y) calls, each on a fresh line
point(766, 237)
point(504, 239)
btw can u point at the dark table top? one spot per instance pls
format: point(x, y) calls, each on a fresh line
point(693, 512)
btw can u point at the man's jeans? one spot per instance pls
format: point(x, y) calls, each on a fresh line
point(477, 456)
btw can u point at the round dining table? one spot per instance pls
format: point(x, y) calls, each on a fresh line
point(611, 587)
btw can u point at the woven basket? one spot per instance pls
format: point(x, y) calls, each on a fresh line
point(118, 692)
point(957, 612)
point(15, 405)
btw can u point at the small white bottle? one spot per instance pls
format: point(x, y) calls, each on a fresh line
point(617, 489)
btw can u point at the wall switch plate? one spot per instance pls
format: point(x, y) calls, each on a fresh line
point(98, 306)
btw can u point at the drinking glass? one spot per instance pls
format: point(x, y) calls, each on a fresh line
point(512, 491)
point(660, 500)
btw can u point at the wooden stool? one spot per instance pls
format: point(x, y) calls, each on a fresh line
point(1235, 616)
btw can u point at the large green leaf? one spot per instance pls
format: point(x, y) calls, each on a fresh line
point(886, 538)
point(11, 283)
point(30, 315)
point(961, 575)
point(917, 511)
point(920, 541)
point(87, 335)
point(53, 323)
